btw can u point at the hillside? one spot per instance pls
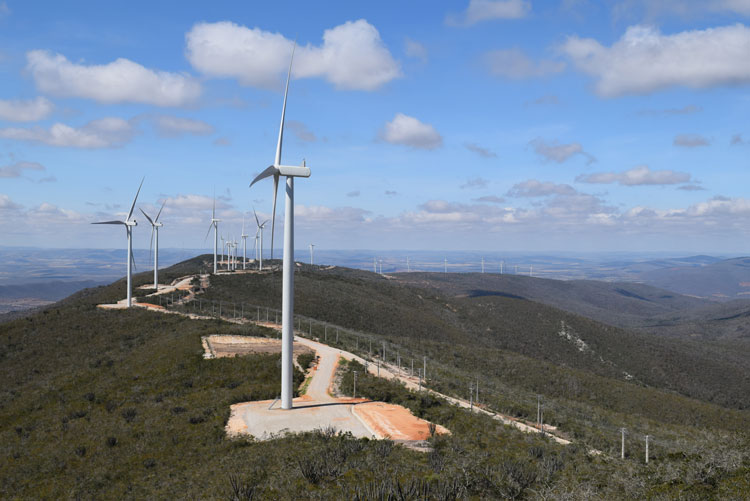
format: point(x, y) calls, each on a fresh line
point(621, 304)
point(120, 404)
point(722, 280)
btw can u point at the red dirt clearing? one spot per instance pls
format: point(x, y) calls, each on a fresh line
point(394, 421)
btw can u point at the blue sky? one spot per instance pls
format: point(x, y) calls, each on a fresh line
point(489, 125)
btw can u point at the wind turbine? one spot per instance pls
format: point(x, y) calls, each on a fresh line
point(155, 225)
point(244, 243)
point(235, 244)
point(215, 223)
point(287, 299)
point(260, 232)
point(312, 253)
point(129, 223)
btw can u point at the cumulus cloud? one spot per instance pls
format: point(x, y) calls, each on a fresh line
point(6, 204)
point(555, 152)
point(683, 8)
point(310, 215)
point(192, 201)
point(103, 133)
point(491, 199)
point(300, 130)
point(475, 183)
point(171, 126)
point(514, 64)
point(18, 169)
point(690, 140)
point(121, 81)
point(487, 10)
point(409, 131)
point(637, 176)
point(644, 60)
point(352, 55)
point(480, 150)
point(415, 50)
point(534, 188)
point(25, 110)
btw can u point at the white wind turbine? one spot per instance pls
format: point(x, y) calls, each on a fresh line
point(244, 243)
point(312, 253)
point(215, 224)
point(287, 299)
point(129, 223)
point(235, 245)
point(260, 232)
point(155, 225)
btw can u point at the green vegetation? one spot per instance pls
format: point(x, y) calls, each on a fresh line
point(120, 403)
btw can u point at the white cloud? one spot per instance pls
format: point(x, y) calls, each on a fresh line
point(685, 110)
point(645, 61)
point(352, 194)
point(415, 50)
point(637, 176)
point(683, 8)
point(120, 81)
point(6, 204)
point(171, 126)
point(409, 131)
point(25, 110)
point(690, 140)
point(102, 133)
point(480, 150)
point(475, 183)
point(487, 10)
point(17, 169)
point(352, 55)
point(513, 63)
point(534, 188)
point(492, 199)
point(555, 152)
point(194, 202)
point(300, 130)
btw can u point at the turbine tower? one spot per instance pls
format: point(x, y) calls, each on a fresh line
point(129, 223)
point(244, 243)
point(260, 232)
point(312, 253)
point(155, 225)
point(287, 299)
point(215, 223)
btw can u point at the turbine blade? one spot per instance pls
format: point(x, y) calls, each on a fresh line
point(256, 217)
point(270, 171)
point(110, 222)
point(162, 208)
point(208, 232)
point(273, 215)
point(136, 198)
point(149, 219)
point(283, 108)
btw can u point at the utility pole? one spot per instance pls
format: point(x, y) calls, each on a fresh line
point(355, 385)
point(477, 389)
point(383, 351)
point(539, 411)
point(412, 368)
point(622, 452)
point(647, 449)
point(378, 368)
point(325, 334)
point(424, 371)
point(471, 398)
point(398, 361)
point(420, 379)
point(337, 335)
